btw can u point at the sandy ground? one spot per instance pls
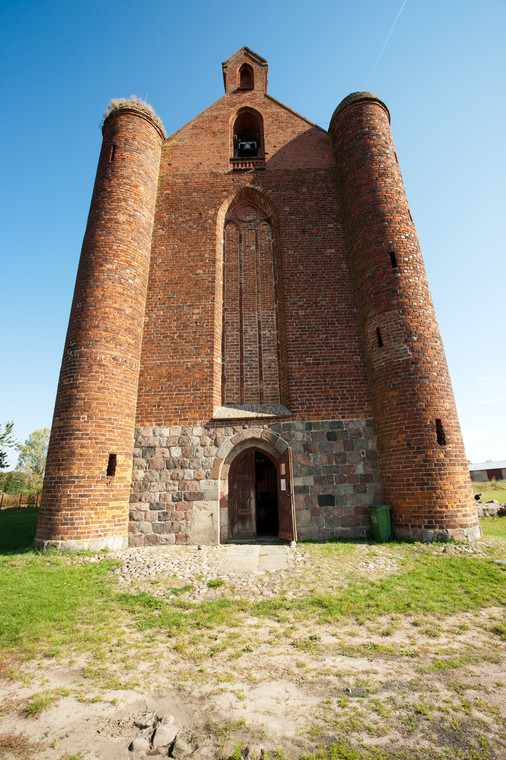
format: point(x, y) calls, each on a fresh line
point(431, 688)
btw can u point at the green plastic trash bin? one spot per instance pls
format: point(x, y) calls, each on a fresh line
point(380, 520)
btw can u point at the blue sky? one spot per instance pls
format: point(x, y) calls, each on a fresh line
point(442, 75)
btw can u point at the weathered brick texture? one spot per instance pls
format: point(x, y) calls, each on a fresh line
point(281, 303)
point(95, 406)
point(322, 369)
point(425, 480)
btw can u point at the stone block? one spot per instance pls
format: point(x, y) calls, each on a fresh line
point(167, 539)
point(303, 518)
point(205, 523)
point(326, 500)
point(137, 515)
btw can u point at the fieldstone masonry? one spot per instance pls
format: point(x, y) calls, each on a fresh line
point(177, 471)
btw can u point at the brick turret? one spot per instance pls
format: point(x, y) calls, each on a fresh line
point(89, 467)
point(421, 453)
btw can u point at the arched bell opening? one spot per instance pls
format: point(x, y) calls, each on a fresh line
point(248, 134)
point(246, 77)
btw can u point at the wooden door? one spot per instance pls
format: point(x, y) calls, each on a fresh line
point(241, 496)
point(286, 507)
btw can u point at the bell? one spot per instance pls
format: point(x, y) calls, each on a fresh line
point(248, 148)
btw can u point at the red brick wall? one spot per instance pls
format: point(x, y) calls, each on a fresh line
point(95, 406)
point(426, 482)
point(250, 336)
point(232, 68)
point(322, 370)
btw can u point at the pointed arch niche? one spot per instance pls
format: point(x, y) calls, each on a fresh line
point(252, 320)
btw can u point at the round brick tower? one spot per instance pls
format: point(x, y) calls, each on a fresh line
point(88, 473)
point(421, 453)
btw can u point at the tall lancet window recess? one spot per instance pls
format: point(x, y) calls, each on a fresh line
point(250, 363)
point(248, 137)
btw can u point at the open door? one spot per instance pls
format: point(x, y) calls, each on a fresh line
point(286, 506)
point(242, 503)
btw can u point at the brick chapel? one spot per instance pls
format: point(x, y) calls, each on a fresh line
point(252, 348)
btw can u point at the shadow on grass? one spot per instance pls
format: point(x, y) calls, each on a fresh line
point(17, 530)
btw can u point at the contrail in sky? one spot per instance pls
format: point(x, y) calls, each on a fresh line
point(386, 41)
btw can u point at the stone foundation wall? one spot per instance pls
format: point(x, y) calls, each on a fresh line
point(179, 481)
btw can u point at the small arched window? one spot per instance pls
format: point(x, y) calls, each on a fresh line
point(246, 77)
point(248, 138)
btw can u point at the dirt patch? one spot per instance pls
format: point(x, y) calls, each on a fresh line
point(429, 687)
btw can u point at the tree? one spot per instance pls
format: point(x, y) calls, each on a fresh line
point(32, 457)
point(15, 482)
point(7, 441)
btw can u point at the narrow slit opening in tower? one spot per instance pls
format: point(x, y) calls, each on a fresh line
point(112, 153)
point(111, 466)
point(393, 259)
point(379, 338)
point(440, 433)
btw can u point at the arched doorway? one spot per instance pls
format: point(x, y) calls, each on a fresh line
point(260, 502)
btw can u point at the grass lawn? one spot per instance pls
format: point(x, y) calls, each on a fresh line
point(491, 489)
point(53, 599)
point(17, 529)
point(494, 526)
point(66, 607)
point(49, 599)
